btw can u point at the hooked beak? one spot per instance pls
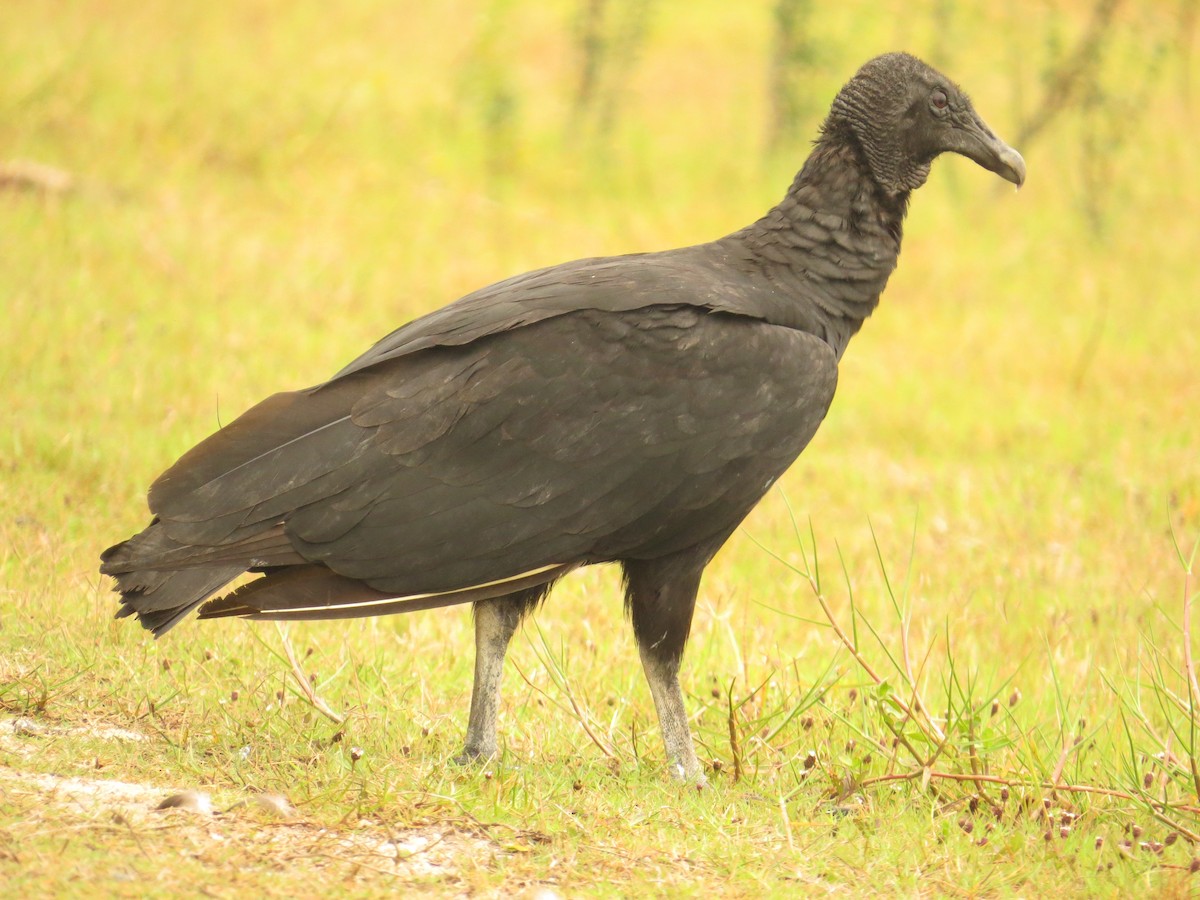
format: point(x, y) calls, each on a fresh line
point(972, 138)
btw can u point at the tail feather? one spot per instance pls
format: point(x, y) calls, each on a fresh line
point(161, 597)
point(161, 608)
point(161, 580)
point(156, 550)
point(315, 592)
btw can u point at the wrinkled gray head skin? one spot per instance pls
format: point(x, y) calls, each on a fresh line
point(904, 113)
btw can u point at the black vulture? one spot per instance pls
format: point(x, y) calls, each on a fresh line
point(628, 409)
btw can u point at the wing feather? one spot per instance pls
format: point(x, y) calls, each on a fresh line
point(585, 437)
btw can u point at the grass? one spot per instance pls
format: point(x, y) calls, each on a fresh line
point(990, 514)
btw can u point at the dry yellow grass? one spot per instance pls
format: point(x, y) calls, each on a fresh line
point(258, 192)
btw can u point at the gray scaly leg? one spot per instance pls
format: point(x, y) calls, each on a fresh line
point(663, 676)
point(661, 596)
point(495, 622)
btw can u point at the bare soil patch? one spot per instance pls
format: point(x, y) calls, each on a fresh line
point(45, 807)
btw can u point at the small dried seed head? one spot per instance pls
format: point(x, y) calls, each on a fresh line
point(810, 759)
point(166, 664)
point(1136, 831)
point(233, 695)
point(806, 723)
point(208, 654)
point(1047, 836)
point(356, 754)
point(1195, 866)
point(577, 785)
point(973, 804)
point(1064, 831)
point(190, 801)
point(982, 842)
point(1171, 838)
point(1147, 780)
point(995, 706)
point(853, 695)
point(1015, 697)
point(717, 765)
point(309, 652)
point(275, 805)
point(716, 692)
point(1003, 795)
point(1099, 841)
point(279, 695)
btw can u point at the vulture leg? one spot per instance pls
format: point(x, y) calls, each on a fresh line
point(661, 596)
point(495, 622)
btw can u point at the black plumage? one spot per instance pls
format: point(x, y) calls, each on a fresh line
point(629, 409)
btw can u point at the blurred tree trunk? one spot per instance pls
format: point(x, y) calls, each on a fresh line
point(791, 55)
point(1188, 10)
point(609, 38)
point(1070, 77)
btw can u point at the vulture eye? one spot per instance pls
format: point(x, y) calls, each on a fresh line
point(939, 100)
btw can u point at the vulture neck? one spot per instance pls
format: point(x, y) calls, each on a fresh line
point(831, 243)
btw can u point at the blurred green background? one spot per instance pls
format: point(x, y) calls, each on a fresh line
point(260, 190)
point(244, 196)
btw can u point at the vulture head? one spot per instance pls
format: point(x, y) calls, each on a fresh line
point(903, 113)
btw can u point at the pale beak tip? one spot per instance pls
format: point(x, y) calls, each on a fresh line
point(1014, 166)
